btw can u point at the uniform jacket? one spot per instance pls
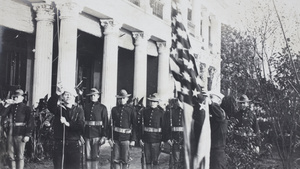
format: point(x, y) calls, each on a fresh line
point(20, 113)
point(95, 111)
point(247, 119)
point(152, 118)
point(124, 117)
point(74, 115)
point(177, 122)
point(218, 125)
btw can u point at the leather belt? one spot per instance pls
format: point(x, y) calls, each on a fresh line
point(93, 123)
point(19, 124)
point(151, 129)
point(177, 128)
point(122, 130)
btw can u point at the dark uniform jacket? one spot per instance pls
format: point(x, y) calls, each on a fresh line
point(124, 120)
point(247, 119)
point(22, 119)
point(96, 120)
point(74, 115)
point(218, 125)
point(152, 119)
point(174, 131)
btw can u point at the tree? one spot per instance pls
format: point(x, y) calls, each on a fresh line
point(246, 57)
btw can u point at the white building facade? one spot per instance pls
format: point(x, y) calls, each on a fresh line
point(109, 45)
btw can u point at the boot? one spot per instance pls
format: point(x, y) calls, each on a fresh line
point(13, 164)
point(156, 166)
point(117, 165)
point(95, 165)
point(148, 166)
point(89, 165)
point(20, 164)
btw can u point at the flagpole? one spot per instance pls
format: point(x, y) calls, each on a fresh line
point(59, 81)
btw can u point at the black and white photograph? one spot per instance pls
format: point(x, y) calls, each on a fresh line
point(149, 84)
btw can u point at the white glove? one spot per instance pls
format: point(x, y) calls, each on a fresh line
point(132, 143)
point(170, 142)
point(64, 121)
point(141, 143)
point(25, 139)
point(111, 142)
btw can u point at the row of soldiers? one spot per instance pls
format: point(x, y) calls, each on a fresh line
point(76, 126)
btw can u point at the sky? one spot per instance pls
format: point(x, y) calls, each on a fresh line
point(249, 15)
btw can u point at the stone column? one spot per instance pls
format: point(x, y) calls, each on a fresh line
point(110, 62)
point(163, 71)
point(67, 58)
point(42, 73)
point(140, 65)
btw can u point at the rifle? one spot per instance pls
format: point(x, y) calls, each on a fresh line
point(112, 139)
point(63, 142)
point(171, 146)
point(142, 146)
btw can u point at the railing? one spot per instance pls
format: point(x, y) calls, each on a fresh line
point(158, 8)
point(136, 2)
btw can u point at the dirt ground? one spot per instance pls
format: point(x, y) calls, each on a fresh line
point(135, 154)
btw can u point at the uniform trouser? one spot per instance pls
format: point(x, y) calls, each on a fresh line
point(178, 156)
point(15, 150)
point(217, 158)
point(92, 146)
point(121, 154)
point(152, 151)
point(72, 154)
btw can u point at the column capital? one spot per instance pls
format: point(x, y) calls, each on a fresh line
point(44, 12)
point(161, 46)
point(69, 9)
point(139, 37)
point(110, 26)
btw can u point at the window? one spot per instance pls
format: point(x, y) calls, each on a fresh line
point(189, 15)
point(209, 34)
point(201, 29)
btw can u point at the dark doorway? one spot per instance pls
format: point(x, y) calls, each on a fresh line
point(16, 48)
point(125, 70)
point(89, 61)
point(152, 74)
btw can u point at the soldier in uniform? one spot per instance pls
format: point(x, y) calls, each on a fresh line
point(218, 125)
point(247, 126)
point(124, 122)
point(152, 129)
point(96, 126)
point(20, 126)
point(68, 127)
point(174, 134)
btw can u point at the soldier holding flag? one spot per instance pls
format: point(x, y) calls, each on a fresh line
point(68, 127)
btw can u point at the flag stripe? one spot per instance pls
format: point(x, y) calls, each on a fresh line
point(191, 94)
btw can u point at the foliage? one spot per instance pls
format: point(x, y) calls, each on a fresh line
point(277, 92)
point(241, 154)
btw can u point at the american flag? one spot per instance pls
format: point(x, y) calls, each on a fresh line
point(191, 94)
